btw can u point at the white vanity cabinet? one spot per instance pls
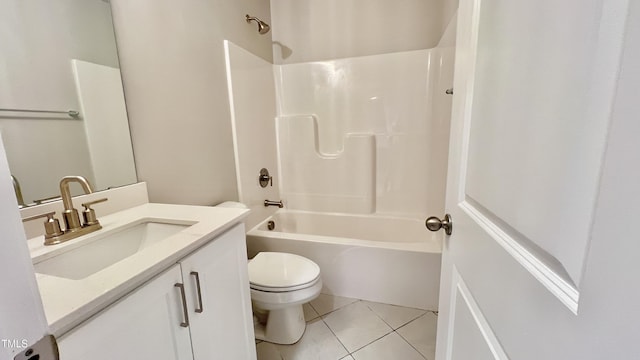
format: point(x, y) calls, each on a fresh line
point(143, 325)
point(223, 329)
point(150, 322)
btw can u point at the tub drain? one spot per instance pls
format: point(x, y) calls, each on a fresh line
point(271, 225)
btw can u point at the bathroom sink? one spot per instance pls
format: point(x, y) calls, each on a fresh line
point(104, 250)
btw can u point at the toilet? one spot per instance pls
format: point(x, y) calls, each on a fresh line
point(280, 283)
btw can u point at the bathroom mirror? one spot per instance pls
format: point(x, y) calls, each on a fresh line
point(59, 56)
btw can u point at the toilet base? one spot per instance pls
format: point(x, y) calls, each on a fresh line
point(283, 326)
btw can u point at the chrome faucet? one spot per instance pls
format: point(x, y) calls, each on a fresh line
point(274, 203)
point(73, 228)
point(18, 190)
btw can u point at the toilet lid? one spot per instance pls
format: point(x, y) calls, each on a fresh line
point(281, 270)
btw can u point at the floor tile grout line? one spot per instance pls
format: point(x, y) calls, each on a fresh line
point(400, 306)
point(421, 316)
point(334, 310)
point(340, 308)
point(407, 341)
point(410, 344)
point(379, 317)
point(337, 338)
point(314, 309)
point(362, 347)
point(322, 317)
point(391, 326)
point(374, 313)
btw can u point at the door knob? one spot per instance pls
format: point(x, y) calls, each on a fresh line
point(435, 224)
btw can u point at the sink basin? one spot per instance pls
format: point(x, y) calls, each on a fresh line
point(107, 249)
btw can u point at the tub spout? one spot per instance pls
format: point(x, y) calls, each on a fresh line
point(274, 203)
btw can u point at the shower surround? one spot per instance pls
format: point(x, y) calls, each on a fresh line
point(365, 135)
point(358, 149)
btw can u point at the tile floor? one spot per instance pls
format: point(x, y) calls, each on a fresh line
point(342, 328)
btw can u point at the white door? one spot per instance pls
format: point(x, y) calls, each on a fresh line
point(544, 183)
point(22, 319)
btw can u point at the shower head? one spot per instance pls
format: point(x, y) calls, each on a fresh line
point(263, 27)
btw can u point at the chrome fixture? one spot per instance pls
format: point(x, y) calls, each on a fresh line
point(435, 224)
point(449, 91)
point(264, 178)
point(73, 228)
point(263, 27)
point(72, 113)
point(271, 225)
point(274, 203)
point(18, 190)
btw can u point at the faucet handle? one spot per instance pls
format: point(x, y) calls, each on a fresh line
point(88, 214)
point(88, 204)
point(51, 225)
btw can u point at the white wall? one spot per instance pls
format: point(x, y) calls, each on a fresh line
point(21, 312)
point(310, 30)
point(253, 111)
point(38, 39)
point(449, 10)
point(173, 64)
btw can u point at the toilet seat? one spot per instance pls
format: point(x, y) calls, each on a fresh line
point(282, 272)
point(284, 289)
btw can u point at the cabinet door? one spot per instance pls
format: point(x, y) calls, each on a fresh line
point(143, 325)
point(224, 327)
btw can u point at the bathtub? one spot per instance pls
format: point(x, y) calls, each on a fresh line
point(370, 257)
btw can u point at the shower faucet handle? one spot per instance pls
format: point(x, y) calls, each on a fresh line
point(264, 178)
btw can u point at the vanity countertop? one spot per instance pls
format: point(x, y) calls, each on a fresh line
point(68, 302)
